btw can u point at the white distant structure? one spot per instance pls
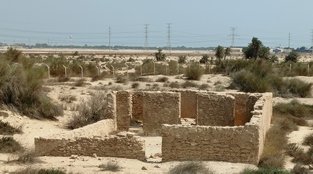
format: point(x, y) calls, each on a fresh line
point(281, 50)
point(236, 50)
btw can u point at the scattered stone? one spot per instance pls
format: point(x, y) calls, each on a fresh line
point(143, 168)
point(156, 166)
point(95, 155)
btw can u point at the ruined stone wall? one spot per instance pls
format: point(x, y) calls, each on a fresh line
point(123, 110)
point(188, 143)
point(233, 144)
point(160, 108)
point(189, 103)
point(112, 146)
point(244, 104)
point(137, 109)
point(215, 109)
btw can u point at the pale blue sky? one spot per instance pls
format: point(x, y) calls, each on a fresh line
point(194, 23)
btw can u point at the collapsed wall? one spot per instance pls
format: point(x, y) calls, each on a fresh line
point(91, 140)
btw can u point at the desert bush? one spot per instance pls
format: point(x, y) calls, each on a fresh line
point(204, 59)
point(204, 86)
point(247, 81)
point(160, 56)
point(292, 56)
point(30, 170)
point(182, 59)
point(174, 85)
point(294, 150)
point(265, 171)
point(7, 129)
point(121, 79)
point(294, 108)
point(190, 168)
point(298, 88)
point(67, 98)
point(135, 85)
point(189, 84)
point(80, 82)
point(56, 65)
point(300, 169)
point(21, 87)
point(173, 67)
point(9, 145)
point(194, 72)
point(308, 140)
point(273, 152)
point(63, 79)
point(162, 79)
point(91, 111)
point(112, 166)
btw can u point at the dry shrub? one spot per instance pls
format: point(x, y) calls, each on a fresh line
point(7, 129)
point(194, 72)
point(9, 145)
point(189, 84)
point(30, 170)
point(80, 82)
point(162, 79)
point(91, 111)
point(203, 86)
point(21, 87)
point(174, 85)
point(294, 108)
point(112, 166)
point(308, 140)
point(135, 85)
point(300, 169)
point(273, 152)
point(190, 168)
point(67, 98)
point(265, 171)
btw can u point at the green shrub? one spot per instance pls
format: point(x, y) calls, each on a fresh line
point(275, 143)
point(95, 109)
point(190, 168)
point(194, 72)
point(160, 56)
point(110, 166)
point(298, 88)
point(9, 145)
point(7, 129)
point(294, 108)
point(265, 171)
point(21, 87)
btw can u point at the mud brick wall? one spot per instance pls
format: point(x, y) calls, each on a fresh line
point(244, 104)
point(160, 108)
point(112, 146)
point(137, 109)
point(189, 104)
point(215, 109)
point(231, 144)
point(111, 106)
point(262, 115)
point(123, 110)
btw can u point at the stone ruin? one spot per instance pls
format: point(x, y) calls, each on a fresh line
point(224, 126)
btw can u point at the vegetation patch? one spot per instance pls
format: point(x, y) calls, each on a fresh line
point(112, 166)
point(190, 167)
point(91, 111)
point(7, 129)
point(9, 145)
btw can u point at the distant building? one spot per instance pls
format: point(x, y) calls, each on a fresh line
point(236, 50)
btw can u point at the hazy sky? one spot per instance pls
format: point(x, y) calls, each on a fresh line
point(193, 22)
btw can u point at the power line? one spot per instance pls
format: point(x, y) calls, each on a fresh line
point(109, 37)
point(169, 36)
point(146, 36)
point(312, 42)
point(289, 39)
point(233, 36)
